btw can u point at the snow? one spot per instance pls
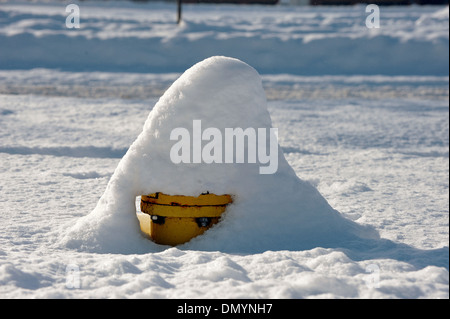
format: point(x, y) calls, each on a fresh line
point(221, 93)
point(364, 149)
point(289, 39)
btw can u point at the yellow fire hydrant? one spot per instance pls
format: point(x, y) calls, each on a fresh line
point(176, 219)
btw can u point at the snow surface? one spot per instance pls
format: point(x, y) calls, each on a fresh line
point(370, 150)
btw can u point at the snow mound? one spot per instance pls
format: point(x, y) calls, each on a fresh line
point(270, 211)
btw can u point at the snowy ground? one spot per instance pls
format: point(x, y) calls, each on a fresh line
point(375, 146)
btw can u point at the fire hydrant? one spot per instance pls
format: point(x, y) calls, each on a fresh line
point(176, 219)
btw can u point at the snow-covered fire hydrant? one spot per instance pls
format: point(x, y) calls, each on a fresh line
point(176, 219)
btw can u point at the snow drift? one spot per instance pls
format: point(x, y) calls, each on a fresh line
point(302, 40)
point(269, 212)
